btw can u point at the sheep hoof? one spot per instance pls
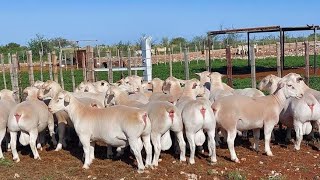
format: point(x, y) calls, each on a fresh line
point(39, 146)
point(236, 160)
point(59, 147)
point(16, 159)
point(269, 154)
point(191, 161)
point(183, 159)
point(85, 166)
point(37, 158)
point(297, 148)
point(140, 171)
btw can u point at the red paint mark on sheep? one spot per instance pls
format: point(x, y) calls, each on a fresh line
point(171, 114)
point(203, 112)
point(144, 117)
point(311, 107)
point(17, 116)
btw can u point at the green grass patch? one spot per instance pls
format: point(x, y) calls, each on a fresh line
point(236, 175)
point(6, 163)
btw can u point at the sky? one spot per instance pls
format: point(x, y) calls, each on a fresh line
point(112, 21)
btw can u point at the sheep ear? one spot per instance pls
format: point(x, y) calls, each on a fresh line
point(66, 100)
point(194, 85)
point(281, 84)
point(199, 74)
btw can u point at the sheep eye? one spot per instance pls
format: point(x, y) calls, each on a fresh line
point(289, 85)
point(60, 98)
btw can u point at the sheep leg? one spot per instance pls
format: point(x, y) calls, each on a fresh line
point(299, 134)
point(2, 134)
point(191, 141)
point(288, 135)
point(92, 144)
point(85, 141)
point(256, 135)
point(13, 144)
point(134, 145)
point(61, 133)
point(41, 140)
point(182, 145)
point(212, 145)
point(33, 138)
point(148, 148)
point(267, 137)
point(155, 138)
point(109, 152)
point(51, 130)
point(7, 139)
point(120, 151)
point(231, 136)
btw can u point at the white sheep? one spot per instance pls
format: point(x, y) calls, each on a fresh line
point(7, 102)
point(30, 117)
point(115, 126)
point(240, 113)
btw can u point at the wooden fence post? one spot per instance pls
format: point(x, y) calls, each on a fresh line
point(110, 74)
point(60, 67)
point(170, 62)
point(90, 64)
point(50, 66)
point(30, 67)
point(41, 65)
point(3, 71)
point(306, 58)
point(296, 48)
point(129, 62)
point(165, 55)
point(10, 69)
point(229, 66)
point(135, 63)
point(278, 59)
point(207, 59)
point(253, 66)
point(72, 72)
point(84, 67)
point(186, 64)
point(15, 83)
point(55, 67)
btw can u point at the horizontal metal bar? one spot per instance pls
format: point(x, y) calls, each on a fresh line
point(119, 69)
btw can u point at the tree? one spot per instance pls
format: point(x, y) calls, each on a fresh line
point(63, 42)
point(35, 45)
point(165, 42)
point(178, 40)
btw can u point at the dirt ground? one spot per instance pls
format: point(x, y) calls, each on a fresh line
point(66, 164)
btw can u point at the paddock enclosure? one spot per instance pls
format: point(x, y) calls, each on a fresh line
point(243, 66)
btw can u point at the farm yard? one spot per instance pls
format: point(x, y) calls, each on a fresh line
point(66, 164)
point(160, 90)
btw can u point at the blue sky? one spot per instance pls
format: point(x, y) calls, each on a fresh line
point(112, 21)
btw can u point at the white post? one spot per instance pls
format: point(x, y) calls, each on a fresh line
point(146, 57)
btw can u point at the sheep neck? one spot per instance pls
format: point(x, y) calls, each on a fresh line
point(122, 98)
point(74, 107)
point(176, 91)
point(215, 85)
point(280, 98)
point(189, 92)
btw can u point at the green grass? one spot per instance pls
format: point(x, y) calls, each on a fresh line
point(162, 71)
point(235, 175)
point(5, 163)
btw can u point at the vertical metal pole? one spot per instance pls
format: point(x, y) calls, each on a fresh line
point(146, 58)
point(281, 50)
point(253, 66)
point(315, 52)
point(248, 46)
point(306, 57)
point(186, 64)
